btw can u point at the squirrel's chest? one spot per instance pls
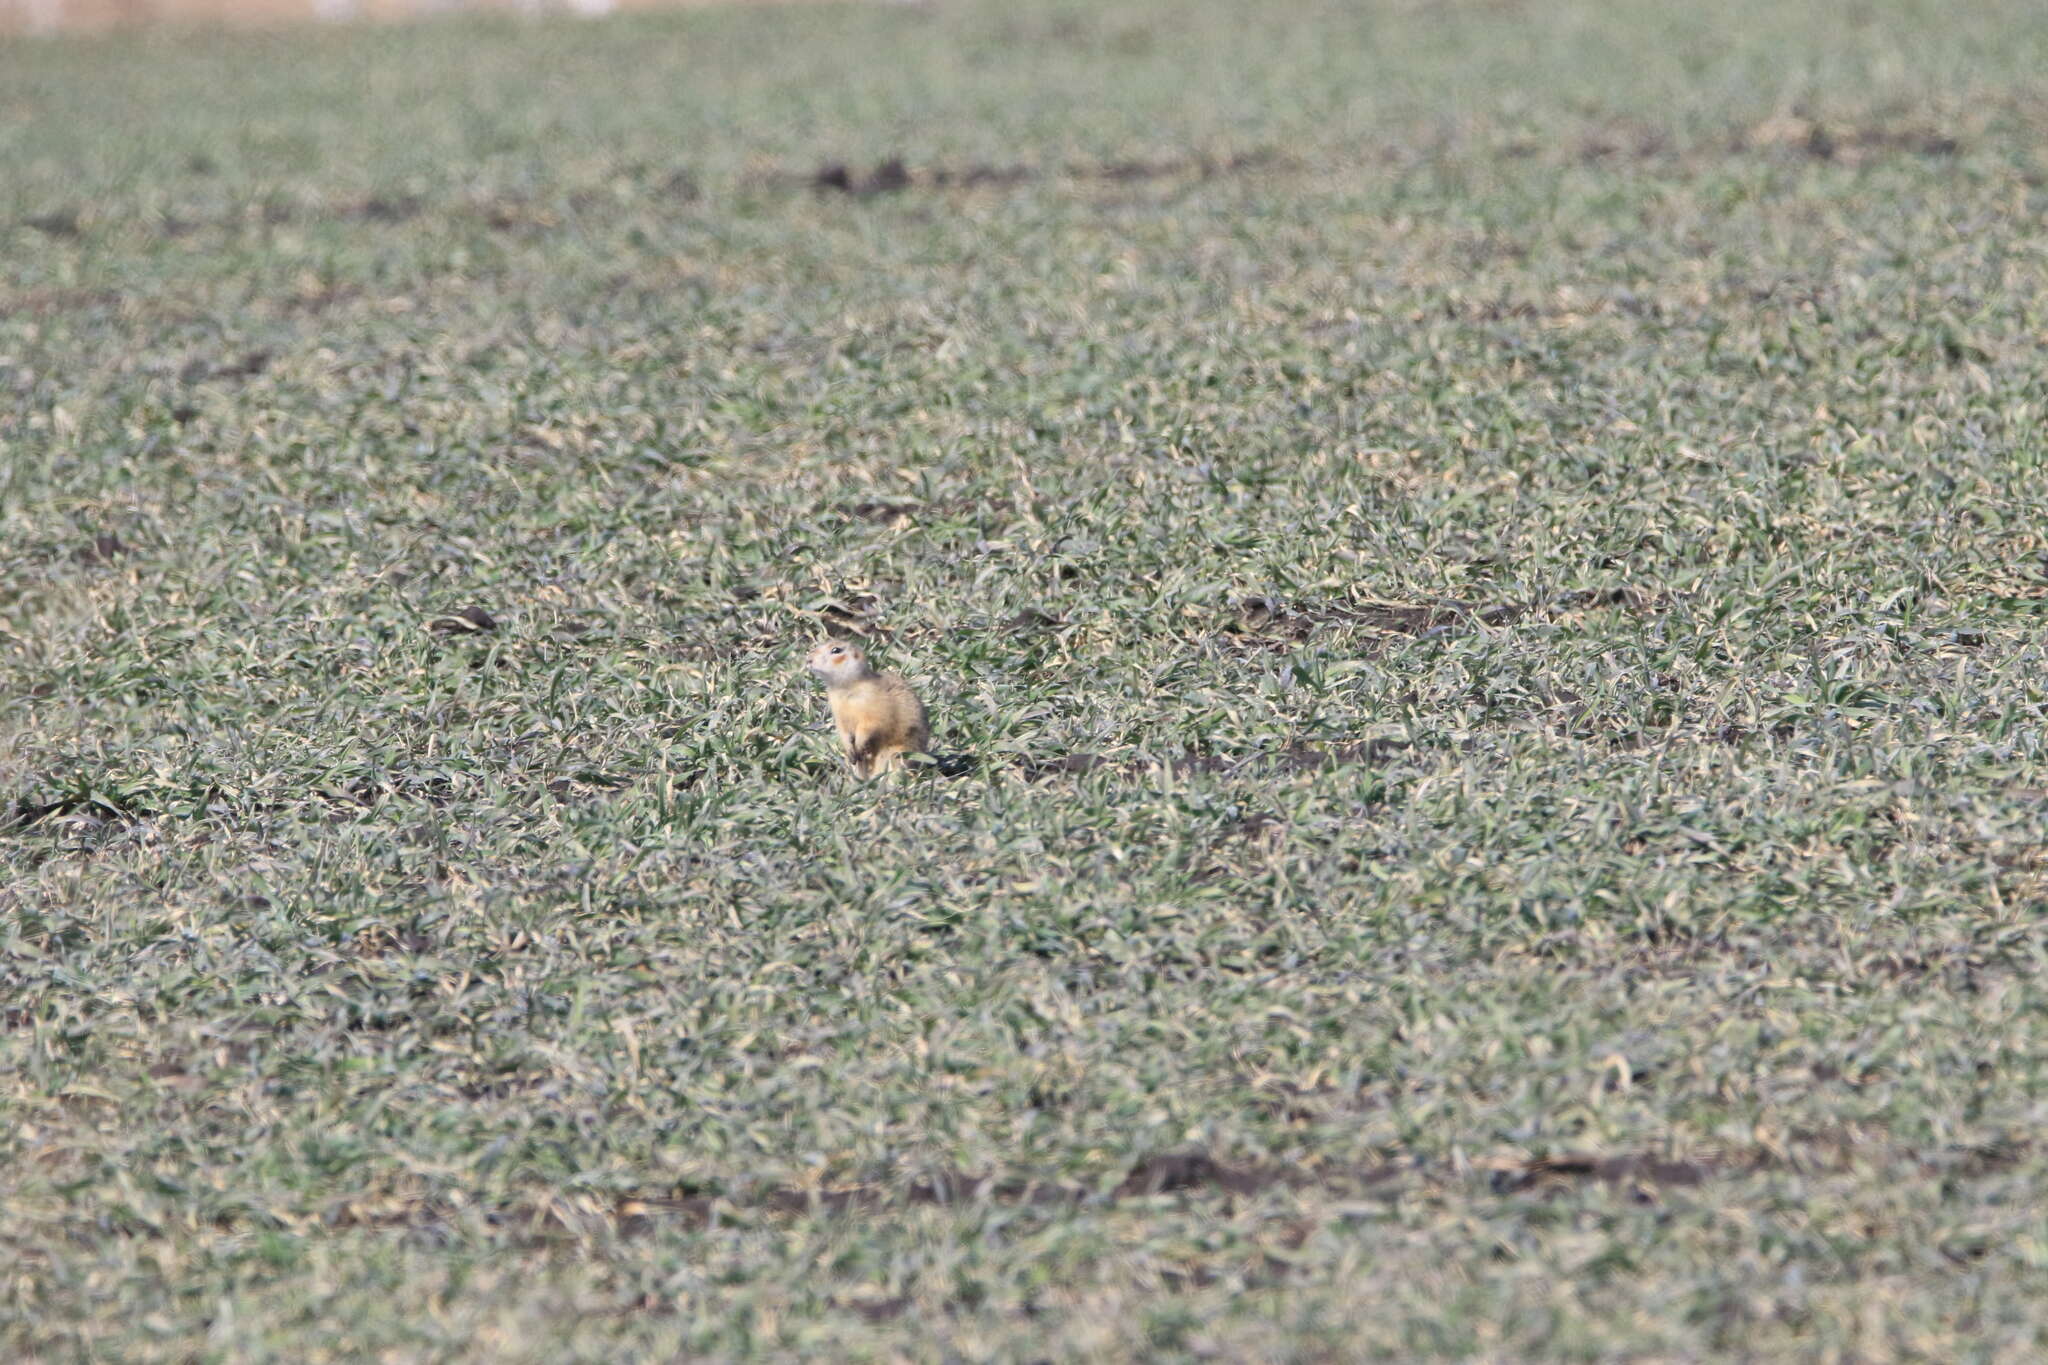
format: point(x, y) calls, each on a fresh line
point(857, 705)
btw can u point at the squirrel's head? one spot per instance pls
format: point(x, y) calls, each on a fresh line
point(839, 661)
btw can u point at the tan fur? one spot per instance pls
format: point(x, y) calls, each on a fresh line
point(880, 719)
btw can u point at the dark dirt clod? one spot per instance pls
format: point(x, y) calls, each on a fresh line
point(889, 177)
point(1029, 620)
point(1407, 620)
point(1261, 614)
point(246, 366)
point(894, 175)
point(889, 513)
point(1626, 595)
point(64, 223)
point(1822, 142)
point(104, 549)
point(249, 366)
point(880, 1310)
point(1182, 1171)
point(857, 610)
point(1989, 1158)
point(471, 620)
point(384, 209)
point(1614, 1170)
point(27, 812)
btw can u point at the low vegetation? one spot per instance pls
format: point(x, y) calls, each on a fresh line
point(1479, 575)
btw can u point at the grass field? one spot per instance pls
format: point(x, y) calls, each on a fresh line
point(1479, 572)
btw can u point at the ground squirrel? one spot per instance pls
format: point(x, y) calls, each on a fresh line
point(880, 719)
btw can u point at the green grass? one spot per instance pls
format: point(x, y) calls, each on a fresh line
point(1479, 573)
